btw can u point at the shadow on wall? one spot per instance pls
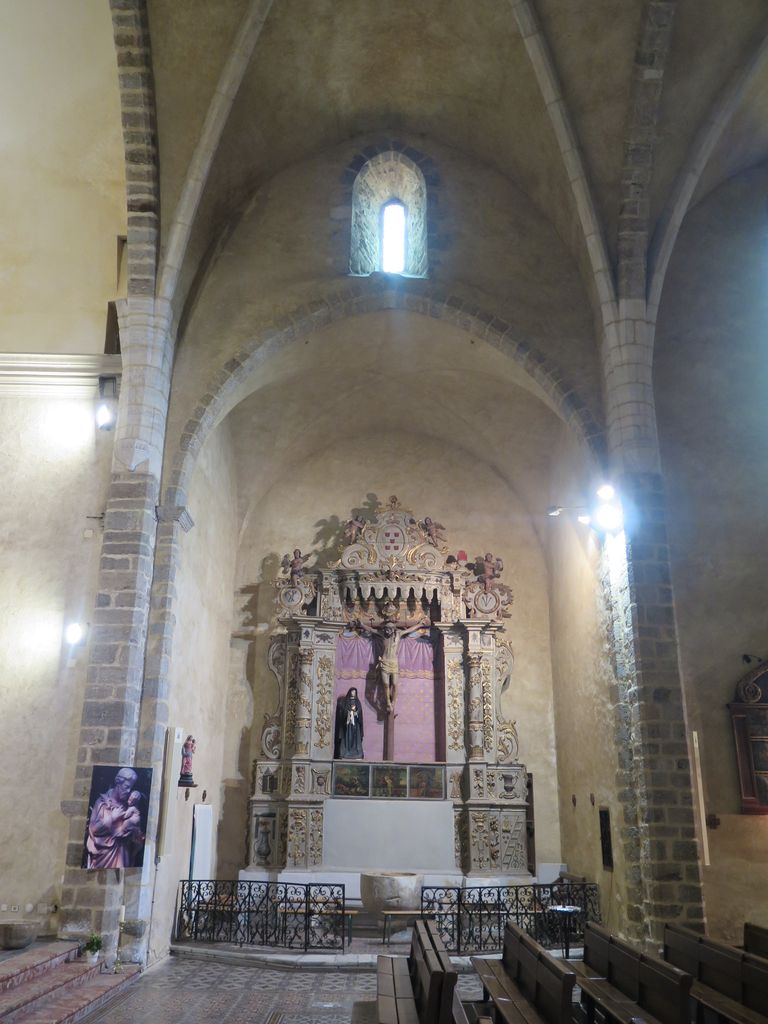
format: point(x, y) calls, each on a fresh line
point(231, 839)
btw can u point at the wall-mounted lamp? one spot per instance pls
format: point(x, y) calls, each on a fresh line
point(605, 515)
point(105, 411)
point(74, 633)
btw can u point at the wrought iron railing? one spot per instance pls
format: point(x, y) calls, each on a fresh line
point(472, 920)
point(262, 914)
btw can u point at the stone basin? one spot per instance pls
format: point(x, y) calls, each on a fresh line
point(390, 890)
point(18, 934)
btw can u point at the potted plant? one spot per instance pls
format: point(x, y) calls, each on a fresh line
point(92, 947)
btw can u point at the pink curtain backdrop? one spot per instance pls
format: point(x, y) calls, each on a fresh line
point(415, 725)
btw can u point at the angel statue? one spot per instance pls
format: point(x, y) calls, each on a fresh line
point(353, 528)
point(435, 531)
point(488, 569)
point(294, 566)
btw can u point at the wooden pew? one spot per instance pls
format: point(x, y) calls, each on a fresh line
point(729, 985)
point(527, 986)
point(625, 984)
point(756, 940)
point(419, 988)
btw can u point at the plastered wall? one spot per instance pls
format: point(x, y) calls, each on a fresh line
point(480, 512)
point(55, 467)
point(711, 379)
point(199, 666)
point(584, 686)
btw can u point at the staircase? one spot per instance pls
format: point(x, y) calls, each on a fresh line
point(47, 984)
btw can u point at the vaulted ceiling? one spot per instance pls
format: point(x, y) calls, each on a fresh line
point(329, 70)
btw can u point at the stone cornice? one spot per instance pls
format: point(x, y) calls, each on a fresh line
point(35, 373)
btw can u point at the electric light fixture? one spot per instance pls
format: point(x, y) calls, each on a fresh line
point(73, 633)
point(104, 417)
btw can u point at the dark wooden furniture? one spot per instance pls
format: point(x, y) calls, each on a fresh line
point(527, 986)
point(756, 940)
point(419, 988)
point(626, 985)
point(749, 717)
point(729, 984)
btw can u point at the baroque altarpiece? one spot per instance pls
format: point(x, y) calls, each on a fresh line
point(417, 636)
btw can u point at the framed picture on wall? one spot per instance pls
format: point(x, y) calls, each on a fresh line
point(426, 782)
point(351, 779)
point(389, 781)
point(117, 817)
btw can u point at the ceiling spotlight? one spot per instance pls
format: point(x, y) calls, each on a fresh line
point(73, 633)
point(104, 417)
point(606, 492)
point(554, 510)
point(584, 518)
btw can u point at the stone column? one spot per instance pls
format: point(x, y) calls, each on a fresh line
point(110, 719)
point(656, 790)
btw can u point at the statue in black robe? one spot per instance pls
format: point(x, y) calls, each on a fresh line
point(349, 726)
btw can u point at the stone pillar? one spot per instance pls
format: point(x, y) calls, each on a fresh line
point(658, 831)
point(117, 641)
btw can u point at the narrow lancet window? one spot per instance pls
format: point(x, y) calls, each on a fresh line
point(389, 217)
point(393, 238)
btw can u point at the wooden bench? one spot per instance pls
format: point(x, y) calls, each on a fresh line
point(420, 988)
point(756, 940)
point(625, 984)
point(527, 986)
point(729, 984)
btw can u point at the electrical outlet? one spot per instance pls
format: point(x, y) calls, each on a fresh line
point(3, 906)
point(14, 908)
point(29, 908)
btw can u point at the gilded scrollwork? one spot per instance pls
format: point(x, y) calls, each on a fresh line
point(493, 840)
point(455, 673)
point(297, 837)
point(485, 675)
point(315, 836)
point(323, 729)
point(480, 840)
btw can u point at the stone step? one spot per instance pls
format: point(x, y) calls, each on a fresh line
point(73, 1004)
point(34, 962)
point(21, 998)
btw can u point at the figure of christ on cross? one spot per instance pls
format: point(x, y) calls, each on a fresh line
point(390, 632)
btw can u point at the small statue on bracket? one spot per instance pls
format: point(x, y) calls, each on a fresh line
point(353, 528)
point(488, 569)
point(187, 753)
point(294, 566)
point(349, 726)
point(435, 531)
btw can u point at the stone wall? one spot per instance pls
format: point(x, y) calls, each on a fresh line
point(710, 379)
point(55, 474)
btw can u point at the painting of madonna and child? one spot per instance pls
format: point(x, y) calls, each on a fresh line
point(117, 817)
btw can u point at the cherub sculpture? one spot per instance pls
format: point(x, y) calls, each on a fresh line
point(488, 569)
point(294, 566)
point(353, 528)
point(435, 531)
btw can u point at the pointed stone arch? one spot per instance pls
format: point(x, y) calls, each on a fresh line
point(375, 294)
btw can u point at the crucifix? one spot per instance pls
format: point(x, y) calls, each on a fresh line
point(390, 632)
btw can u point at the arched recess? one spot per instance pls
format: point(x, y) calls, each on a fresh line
point(388, 176)
point(372, 295)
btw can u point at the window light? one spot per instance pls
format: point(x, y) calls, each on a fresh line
point(393, 238)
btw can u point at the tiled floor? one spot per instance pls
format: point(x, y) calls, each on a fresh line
point(178, 991)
